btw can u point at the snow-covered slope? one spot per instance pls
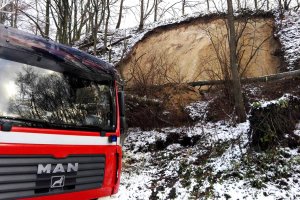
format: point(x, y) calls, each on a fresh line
point(289, 35)
point(208, 161)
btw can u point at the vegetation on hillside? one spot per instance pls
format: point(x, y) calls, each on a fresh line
point(186, 141)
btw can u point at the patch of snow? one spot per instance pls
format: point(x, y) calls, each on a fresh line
point(143, 138)
point(173, 147)
point(198, 110)
point(297, 129)
point(240, 189)
point(289, 35)
point(132, 186)
point(172, 172)
point(264, 104)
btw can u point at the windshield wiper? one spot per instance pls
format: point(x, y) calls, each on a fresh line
point(44, 124)
point(11, 119)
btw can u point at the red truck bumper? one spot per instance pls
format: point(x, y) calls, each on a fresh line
point(111, 176)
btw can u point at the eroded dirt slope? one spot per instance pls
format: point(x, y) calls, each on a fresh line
point(199, 51)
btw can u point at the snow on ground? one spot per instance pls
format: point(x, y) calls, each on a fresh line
point(198, 110)
point(156, 169)
point(205, 161)
point(148, 172)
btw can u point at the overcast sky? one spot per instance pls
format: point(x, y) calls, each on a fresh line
point(8, 72)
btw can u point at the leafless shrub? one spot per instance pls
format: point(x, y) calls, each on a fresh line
point(156, 78)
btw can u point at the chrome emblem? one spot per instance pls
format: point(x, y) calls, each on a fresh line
point(58, 168)
point(57, 181)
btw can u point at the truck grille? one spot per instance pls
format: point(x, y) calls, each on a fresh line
point(19, 177)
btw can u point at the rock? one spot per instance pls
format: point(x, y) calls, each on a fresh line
point(227, 196)
point(172, 194)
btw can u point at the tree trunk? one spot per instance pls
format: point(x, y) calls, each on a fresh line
point(155, 9)
point(268, 78)
point(255, 4)
point(75, 26)
point(11, 15)
point(37, 15)
point(83, 18)
point(47, 18)
point(120, 15)
point(183, 7)
point(65, 23)
point(16, 13)
point(237, 89)
point(141, 25)
point(106, 23)
point(95, 26)
point(207, 4)
point(287, 4)
point(238, 4)
point(70, 22)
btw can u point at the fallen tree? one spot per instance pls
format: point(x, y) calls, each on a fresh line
point(272, 77)
point(90, 42)
point(265, 79)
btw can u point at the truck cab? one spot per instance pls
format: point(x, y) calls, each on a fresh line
point(61, 117)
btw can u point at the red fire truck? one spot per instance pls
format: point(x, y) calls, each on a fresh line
point(61, 117)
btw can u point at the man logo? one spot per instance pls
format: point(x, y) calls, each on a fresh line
point(57, 181)
point(58, 168)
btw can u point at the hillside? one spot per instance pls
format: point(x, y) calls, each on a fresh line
point(209, 161)
point(213, 158)
point(206, 118)
point(194, 50)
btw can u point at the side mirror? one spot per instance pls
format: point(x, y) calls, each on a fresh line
point(121, 98)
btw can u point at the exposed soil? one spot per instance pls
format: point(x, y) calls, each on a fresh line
point(190, 51)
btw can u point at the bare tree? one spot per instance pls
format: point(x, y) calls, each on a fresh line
point(67, 19)
point(146, 9)
point(283, 5)
point(120, 14)
point(267, 4)
point(141, 24)
point(83, 19)
point(9, 12)
point(156, 2)
point(4, 10)
point(207, 4)
point(237, 89)
point(96, 19)
point(106, 23)
point(16, 5)
point(36, 23)
point(183, 7)
point(255, 4)
point(239, 4)
point(158, 73)
point(62, 16)
point(47, 18)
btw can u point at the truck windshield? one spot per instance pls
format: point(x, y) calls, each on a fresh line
point(34, 96)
